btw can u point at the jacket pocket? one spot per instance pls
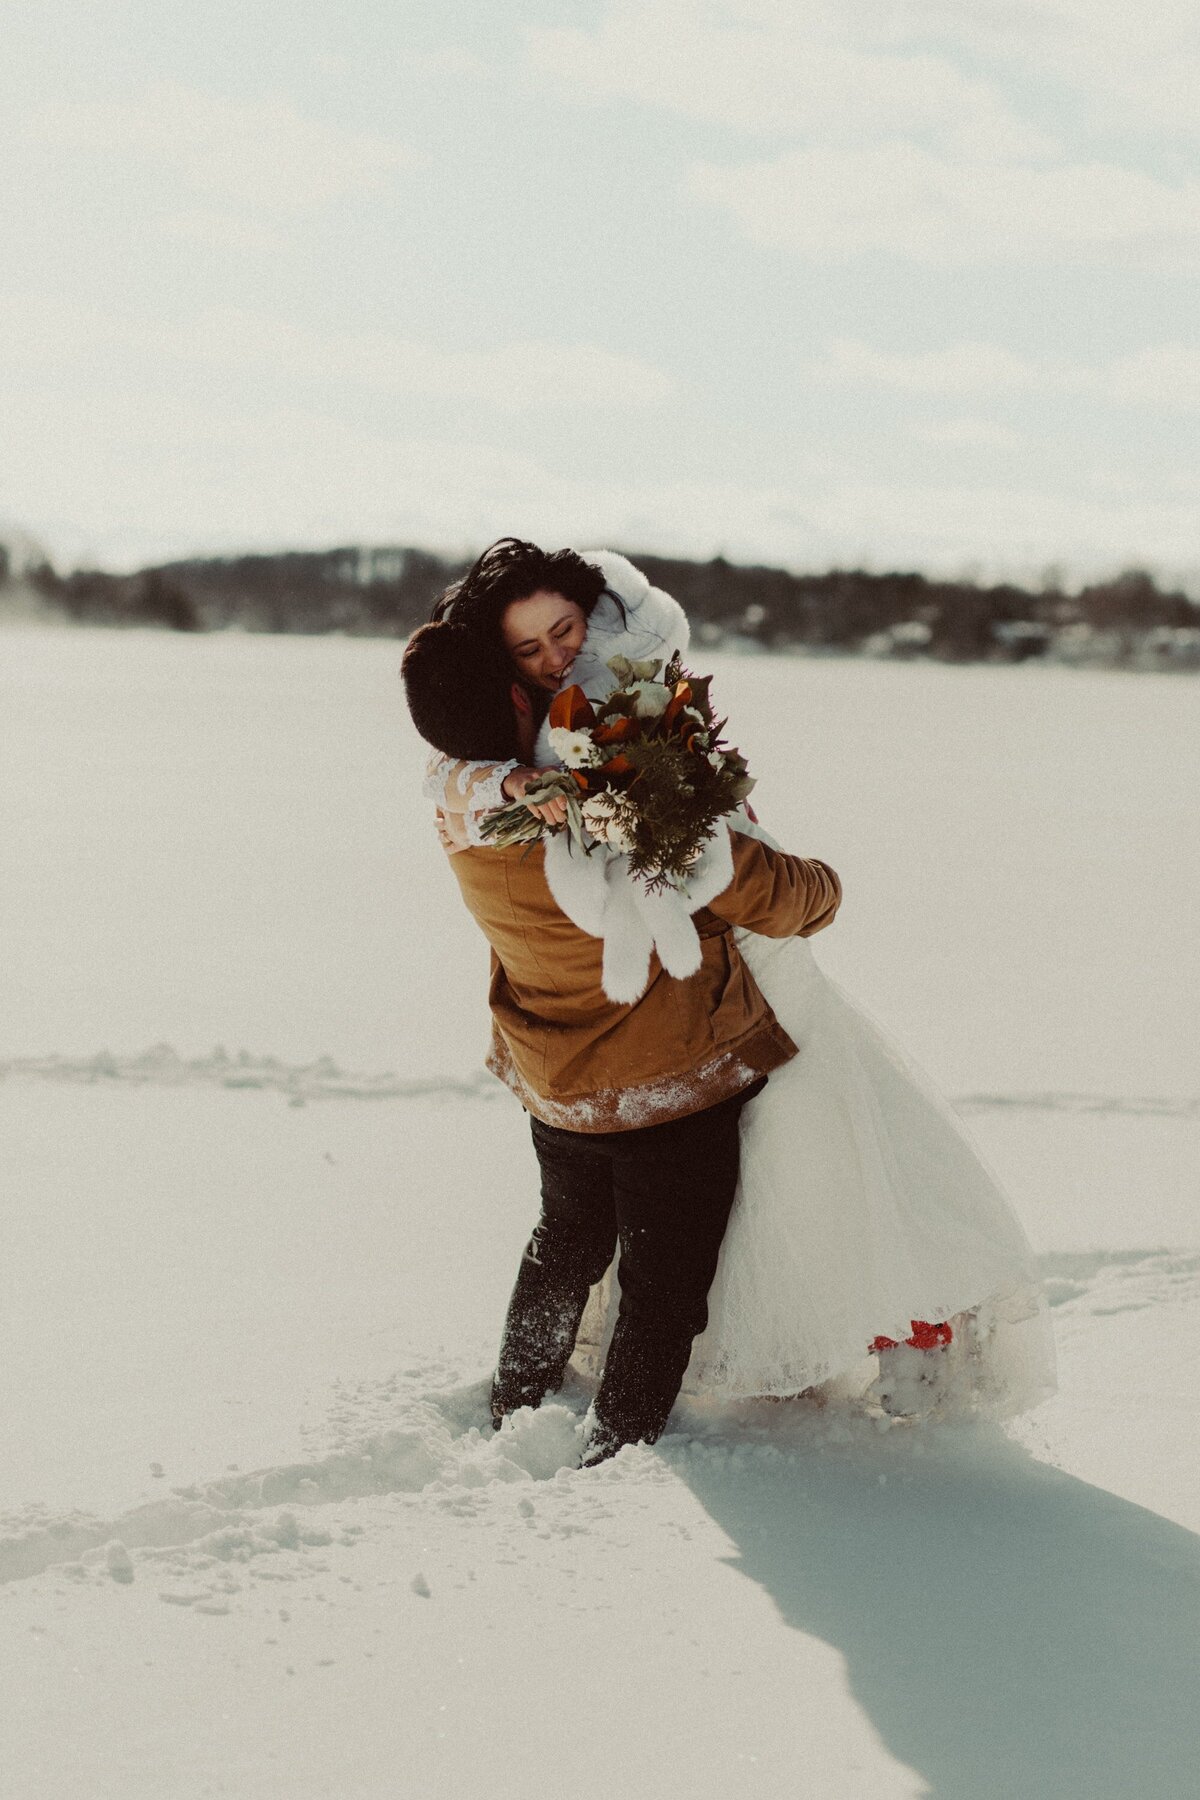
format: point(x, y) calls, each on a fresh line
point(738, 1005)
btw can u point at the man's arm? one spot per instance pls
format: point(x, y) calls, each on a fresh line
point(776, 894)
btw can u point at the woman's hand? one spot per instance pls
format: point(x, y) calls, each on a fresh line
point(452, 832)
point(550, 812)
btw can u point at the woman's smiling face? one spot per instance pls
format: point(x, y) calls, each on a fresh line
point(544, 634)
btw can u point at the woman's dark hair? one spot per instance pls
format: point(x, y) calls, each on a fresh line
point(457, 671)
point(510, 569)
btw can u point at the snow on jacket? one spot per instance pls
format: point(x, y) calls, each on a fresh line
point(577, 1059)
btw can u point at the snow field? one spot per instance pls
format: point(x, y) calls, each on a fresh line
point(256, 1537)
point(220, 841)
point(774, 1605)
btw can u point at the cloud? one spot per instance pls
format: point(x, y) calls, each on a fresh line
point(516, 377)
point(1158, 376)
point(770, 69)
point(192, 465)
point(969, 433)
point(959, 369)
point(1009, 528)
point(46, 329)
point(263, 155)
point(902, 200)
point(180, 477)
point(531, 376)
point(1118, 68)
point(969, 73)
point(914, 131)
point(220, 230)
point(1162, 375)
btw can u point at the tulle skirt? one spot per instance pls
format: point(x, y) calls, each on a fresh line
point(862, 1206)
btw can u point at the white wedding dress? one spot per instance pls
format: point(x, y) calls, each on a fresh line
point(862, 1206)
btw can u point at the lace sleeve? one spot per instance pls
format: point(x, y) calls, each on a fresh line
point(465, 787)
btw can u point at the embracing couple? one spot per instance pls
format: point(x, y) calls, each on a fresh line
point(791, 1205)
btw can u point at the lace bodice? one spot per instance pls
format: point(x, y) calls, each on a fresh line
point(469, 788)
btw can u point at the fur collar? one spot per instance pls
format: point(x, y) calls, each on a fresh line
point(597, 891)
point(653, 624)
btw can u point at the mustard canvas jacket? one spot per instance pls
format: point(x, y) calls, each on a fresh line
point(578, 1060)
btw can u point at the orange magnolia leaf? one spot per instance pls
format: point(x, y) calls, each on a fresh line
point(615, 731)
point(617, 765)
point(682, 697)
point(581, 778)
point(571, 710)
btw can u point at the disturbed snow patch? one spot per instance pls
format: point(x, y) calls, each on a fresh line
point(1112, 1281)
point(322, 1079)
point(443, 1445)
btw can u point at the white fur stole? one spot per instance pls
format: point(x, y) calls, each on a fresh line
point(599, 894)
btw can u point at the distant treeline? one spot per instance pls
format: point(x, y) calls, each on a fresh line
point(1127, 621)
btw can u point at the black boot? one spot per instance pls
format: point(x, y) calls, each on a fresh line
point(539, 1334)
point(643, 1374)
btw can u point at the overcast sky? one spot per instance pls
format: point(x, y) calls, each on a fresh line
point(894, 284)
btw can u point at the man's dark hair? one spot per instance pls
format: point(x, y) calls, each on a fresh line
point(459, 692)
point(457, 671)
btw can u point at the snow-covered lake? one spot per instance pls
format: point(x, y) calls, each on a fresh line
point(220, 840)
point(261, 1213)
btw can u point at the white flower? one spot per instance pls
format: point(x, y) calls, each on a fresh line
point(574, 748)
point(652, 698)
point(601, 816)
point(598, 811)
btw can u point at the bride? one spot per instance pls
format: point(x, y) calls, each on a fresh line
point(870, 1254)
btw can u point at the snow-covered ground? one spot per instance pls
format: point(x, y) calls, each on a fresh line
point(260, 1215)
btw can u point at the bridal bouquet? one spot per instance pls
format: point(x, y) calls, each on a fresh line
point(646, 772)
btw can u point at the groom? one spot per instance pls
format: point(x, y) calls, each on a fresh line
point(635, 1113)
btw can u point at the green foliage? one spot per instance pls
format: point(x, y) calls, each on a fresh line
point(515, 824)
point(656, 792)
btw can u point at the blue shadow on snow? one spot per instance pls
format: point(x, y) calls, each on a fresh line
point(1009, 1631)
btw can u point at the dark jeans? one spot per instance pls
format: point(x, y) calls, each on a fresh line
point(663, 1193)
